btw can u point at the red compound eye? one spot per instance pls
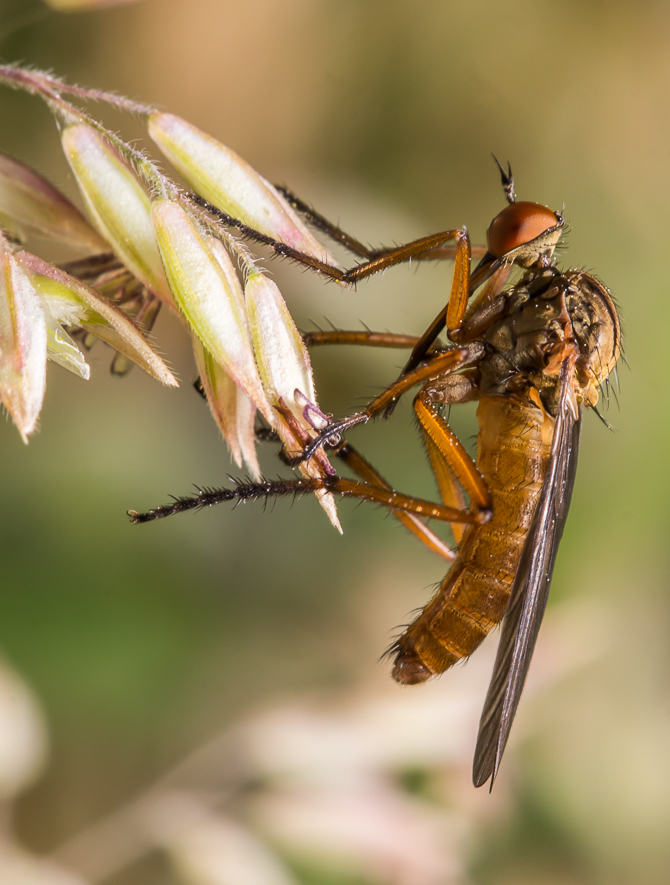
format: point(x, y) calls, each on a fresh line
point(519, 223)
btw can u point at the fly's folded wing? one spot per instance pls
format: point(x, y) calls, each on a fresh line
point(528, 597)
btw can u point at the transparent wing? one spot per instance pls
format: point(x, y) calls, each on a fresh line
point(528, 597)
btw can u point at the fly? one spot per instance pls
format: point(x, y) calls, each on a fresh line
point(533, 355)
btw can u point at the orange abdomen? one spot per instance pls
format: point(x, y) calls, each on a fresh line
point(513, 447)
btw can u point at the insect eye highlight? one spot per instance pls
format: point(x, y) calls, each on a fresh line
point(518, 224)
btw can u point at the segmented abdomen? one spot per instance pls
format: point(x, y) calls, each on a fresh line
point(512, 453)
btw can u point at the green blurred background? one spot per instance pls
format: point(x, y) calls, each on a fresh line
point(143, 642)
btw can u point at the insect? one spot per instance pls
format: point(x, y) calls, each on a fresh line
point(533, 355)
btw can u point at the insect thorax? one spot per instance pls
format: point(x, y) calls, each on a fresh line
point(547, 314)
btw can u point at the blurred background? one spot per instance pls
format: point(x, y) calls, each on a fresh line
point(201, 700)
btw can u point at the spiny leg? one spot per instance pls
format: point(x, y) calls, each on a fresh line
point(365, 338)
point(337, 485)
point(463, 283)
point(322, 224)
point(356, 462)
point(454, 312)
point(380, 260)
point(441, 364)
point(432, 247)
point(489, 266)
point(451, 316)
point(335, 232)
point(408, 251)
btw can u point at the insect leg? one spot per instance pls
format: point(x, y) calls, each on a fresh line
point(453, 468)
point(337, 485)
point(489, 266)
point(490, 290)
point(380, 260)
point(356, 462)
point(442, 364)
point(335, 232)
point(326, 227)
point(365, 338)
point(455, 310)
